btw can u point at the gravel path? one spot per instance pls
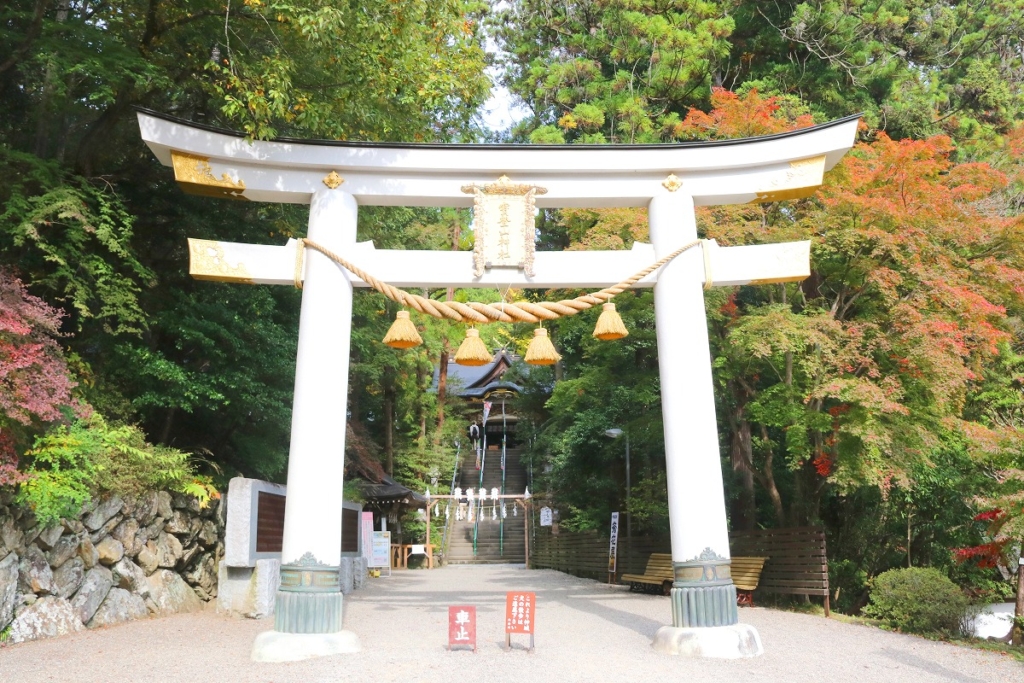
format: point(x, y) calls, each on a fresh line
point(586, 631)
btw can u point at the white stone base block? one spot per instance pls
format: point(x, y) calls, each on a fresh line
point(274, 646)
point(248, 591)
point(720, 642)
point(345, 575)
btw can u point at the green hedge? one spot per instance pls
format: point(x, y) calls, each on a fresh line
point(919, 600)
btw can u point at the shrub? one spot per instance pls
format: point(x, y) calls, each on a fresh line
point(919, 600)
point(71, 463)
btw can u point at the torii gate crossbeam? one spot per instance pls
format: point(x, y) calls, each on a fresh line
point(335, 178)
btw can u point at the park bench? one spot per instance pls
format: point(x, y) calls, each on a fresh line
point(797, 563)
point(659, 575)
point(746, 574)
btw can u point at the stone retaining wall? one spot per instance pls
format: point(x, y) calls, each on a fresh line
point(121, 559)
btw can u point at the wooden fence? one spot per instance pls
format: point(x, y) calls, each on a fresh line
point(585, 553)
point(797, 564)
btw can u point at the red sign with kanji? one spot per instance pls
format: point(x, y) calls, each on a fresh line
point(462, 626)
point(519, 612)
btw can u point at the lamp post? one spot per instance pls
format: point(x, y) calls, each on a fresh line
point(614, 434)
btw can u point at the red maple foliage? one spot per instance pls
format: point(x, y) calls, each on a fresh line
point(9, 473)
point(34, 382)
point(993, 552)
point(917, 274)
point(987, 555)
point(989, 515)
point(822, 463)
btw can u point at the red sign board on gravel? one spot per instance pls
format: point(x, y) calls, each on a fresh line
point(462, 626)
point(519, 609)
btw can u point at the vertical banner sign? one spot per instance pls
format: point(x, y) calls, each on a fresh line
point(613, 544)
point(519, 609)
point(366, 536)
point(545, 516)
point(462, 626)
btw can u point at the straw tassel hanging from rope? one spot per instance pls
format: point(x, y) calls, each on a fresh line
point(609, 325)
point(403, 334)
point(472, 351)
point(541, 351)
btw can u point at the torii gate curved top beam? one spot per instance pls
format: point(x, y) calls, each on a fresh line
point(212, 161)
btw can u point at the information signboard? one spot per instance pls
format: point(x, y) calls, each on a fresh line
point(519, 615)
point(545, 516)
point(380, 552)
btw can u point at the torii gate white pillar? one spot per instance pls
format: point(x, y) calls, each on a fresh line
point(703, 594)
point(334, 178)
point(310, 597)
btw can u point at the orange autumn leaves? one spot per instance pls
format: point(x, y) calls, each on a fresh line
point(736, 116)
point(922, 244)
point(916, 276)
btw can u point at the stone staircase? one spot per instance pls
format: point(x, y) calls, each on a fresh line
point(490, 549)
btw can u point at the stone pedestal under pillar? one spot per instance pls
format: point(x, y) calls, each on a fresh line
point(274, 646)
point(719, 642)
point(705, 619)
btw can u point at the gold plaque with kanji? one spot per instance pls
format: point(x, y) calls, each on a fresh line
point(503, 225)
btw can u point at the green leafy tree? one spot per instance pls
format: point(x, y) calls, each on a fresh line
point(71, 237)
point(610, 71)
point(99, 228)
point(916, 68)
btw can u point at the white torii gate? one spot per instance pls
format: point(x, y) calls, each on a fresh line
point(335, 178)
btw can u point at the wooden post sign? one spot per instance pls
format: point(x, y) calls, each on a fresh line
point(462, 626)
point(519, 609)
